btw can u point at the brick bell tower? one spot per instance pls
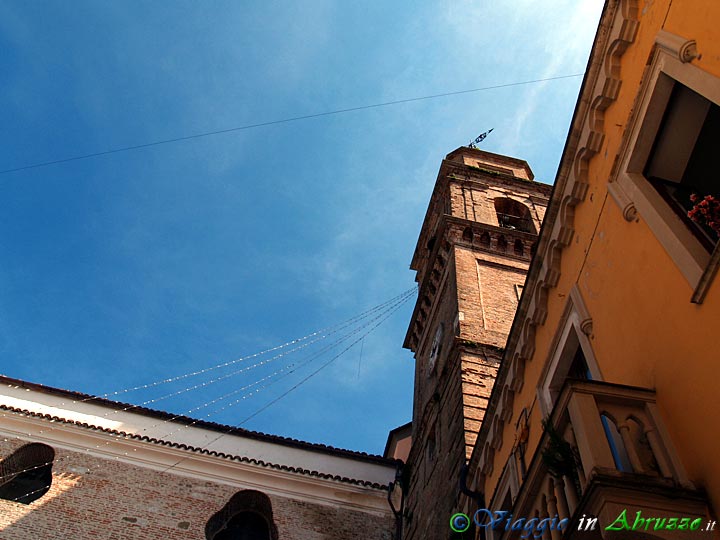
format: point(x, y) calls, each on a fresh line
point(471, 260)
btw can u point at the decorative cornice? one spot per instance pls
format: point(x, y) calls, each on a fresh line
point(683, 49)
point(617, 31)
point(441, 259)
point(87, 399)
point(452, 231)
point(118, 435)
point(464, 174)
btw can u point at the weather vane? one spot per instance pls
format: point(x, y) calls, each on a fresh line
point(480, 138)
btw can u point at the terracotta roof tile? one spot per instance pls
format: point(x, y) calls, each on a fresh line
point(213, 426)
point(222, 455)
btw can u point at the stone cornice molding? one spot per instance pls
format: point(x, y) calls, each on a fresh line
point(684, 49)
point(448, 233)
point(198, 464)
point(442, 259)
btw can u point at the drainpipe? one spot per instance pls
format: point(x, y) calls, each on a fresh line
point(397, 513)
point(477, 496)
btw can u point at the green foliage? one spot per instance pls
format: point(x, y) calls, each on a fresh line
point(559, 457)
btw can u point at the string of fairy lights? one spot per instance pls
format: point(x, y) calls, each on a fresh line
point(349, 332)
point(317, 335)
point(341, 337)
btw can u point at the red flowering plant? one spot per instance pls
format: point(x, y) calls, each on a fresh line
point(706, 211)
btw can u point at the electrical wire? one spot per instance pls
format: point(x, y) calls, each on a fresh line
point(276, 122)
point(386, 309)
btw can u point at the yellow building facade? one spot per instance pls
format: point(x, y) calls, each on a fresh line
point(606, 399)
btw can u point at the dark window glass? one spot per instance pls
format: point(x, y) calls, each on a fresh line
point(680, 164)
point(245, 526)
point(26, 474)
point(579, 368)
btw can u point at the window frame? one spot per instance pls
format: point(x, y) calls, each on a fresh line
point(632, 191)
point(573, 331)
point(508, 484)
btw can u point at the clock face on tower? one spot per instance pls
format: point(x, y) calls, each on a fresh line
point(435, 349)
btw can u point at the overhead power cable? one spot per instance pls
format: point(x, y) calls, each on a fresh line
point(275, 122)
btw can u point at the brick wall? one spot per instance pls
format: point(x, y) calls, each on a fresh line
point(92, 498)
point(476, 305)
point(434, 477)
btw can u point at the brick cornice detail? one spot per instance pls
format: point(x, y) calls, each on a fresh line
point(449, 233)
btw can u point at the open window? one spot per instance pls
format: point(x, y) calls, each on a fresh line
point(571, 354)
point(665, 173)
point(26, 474)
point(681, 164)
point(569, 363)
point(514, 215)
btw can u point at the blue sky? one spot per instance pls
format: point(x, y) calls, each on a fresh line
point(124, 269)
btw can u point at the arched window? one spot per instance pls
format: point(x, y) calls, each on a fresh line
point(244, 526)
point(26, 474)
point(246, 516)
point(514, 215)
point(617, 446)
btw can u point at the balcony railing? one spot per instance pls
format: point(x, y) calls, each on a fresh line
point(605, 449)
